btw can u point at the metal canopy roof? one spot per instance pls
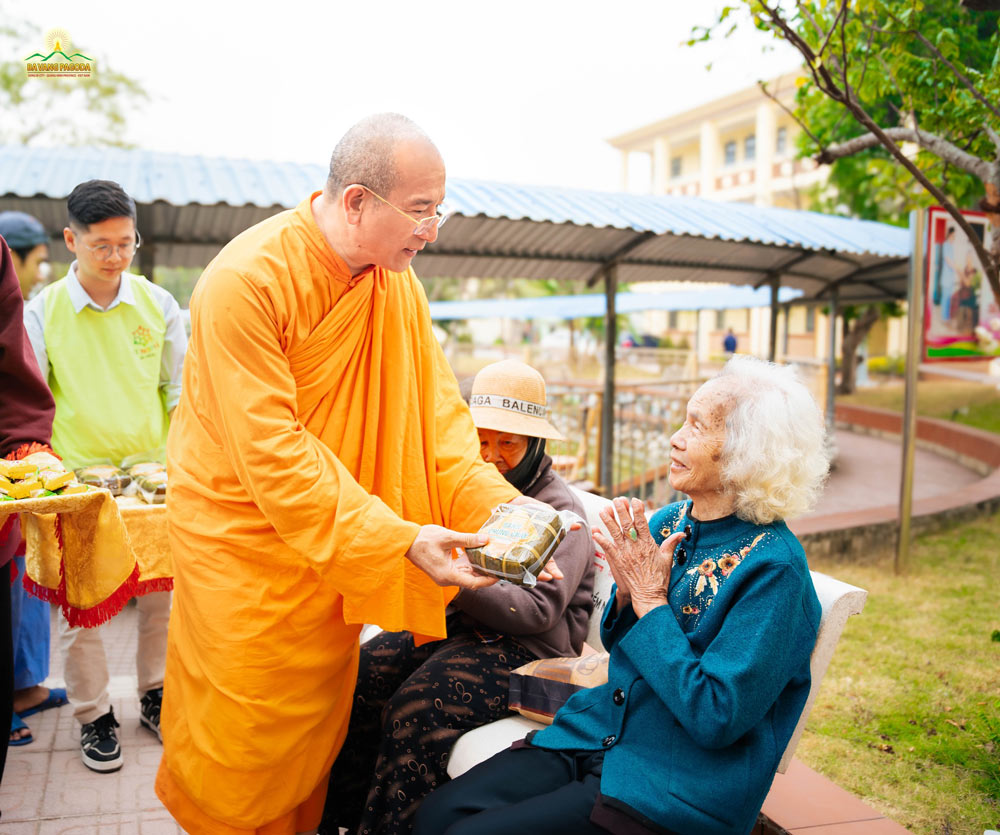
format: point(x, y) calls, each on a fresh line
point(189, 206)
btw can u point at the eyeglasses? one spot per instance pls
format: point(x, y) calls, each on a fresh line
point(102, 252)
point(422, 226)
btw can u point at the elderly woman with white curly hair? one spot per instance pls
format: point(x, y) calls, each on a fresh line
point(709, 630)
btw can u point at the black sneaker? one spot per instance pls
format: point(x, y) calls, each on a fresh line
point(99, 746)
point(149, 711)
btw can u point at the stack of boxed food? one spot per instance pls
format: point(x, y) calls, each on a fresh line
point(144, 479)
point(108, 476)
point(150, 480)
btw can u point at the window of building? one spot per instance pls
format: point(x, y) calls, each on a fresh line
point(729, 153)
point(720, 320)
point(781, 141)
point(675, 168)
point(750, 148)
point(810, 319)
point(672, 318)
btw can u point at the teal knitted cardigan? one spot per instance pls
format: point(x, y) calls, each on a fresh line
point(704, 694)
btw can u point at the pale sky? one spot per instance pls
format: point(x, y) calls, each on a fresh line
point(525, 91)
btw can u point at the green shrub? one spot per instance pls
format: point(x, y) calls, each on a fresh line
point(894, 366)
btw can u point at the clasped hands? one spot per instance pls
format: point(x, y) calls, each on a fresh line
point(641, 568)
point(440, 553)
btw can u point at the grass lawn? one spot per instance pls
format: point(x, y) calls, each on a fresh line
point(908, 715)
point(969, 403)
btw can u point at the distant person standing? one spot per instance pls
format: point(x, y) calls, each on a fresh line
point(111, 346)
point(29, 249)
point(729, 343)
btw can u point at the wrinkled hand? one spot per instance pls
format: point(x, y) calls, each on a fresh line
point(431, 552)
point(640, 568)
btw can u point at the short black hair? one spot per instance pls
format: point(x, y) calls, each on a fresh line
point(97, 200)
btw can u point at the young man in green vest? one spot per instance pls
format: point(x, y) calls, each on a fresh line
point(111, 345)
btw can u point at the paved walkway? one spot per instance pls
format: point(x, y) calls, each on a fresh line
point(868, 470)
point(46, 788)
point(48, 791)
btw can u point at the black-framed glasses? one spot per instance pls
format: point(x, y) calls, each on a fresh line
point(422, 226)
point(102, 252)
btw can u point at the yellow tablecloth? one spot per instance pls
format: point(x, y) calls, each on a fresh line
point(147, 528)
point(91, 553)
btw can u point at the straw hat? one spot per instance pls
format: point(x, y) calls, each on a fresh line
point(509, 396)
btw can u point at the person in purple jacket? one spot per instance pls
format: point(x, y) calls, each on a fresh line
point(412, 702)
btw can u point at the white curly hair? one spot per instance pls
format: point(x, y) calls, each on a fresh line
point(776, 456)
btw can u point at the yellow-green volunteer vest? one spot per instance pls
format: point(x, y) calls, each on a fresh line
point(104, 372)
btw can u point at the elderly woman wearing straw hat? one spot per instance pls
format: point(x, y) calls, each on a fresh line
point(710, 631)
point(411, 703)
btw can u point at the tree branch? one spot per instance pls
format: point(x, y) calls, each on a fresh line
point(995, 139)
point(941, 147)
point(833, 27)
point(827, 84)
point(781, 104)
point(843, 56)
point(958, 73)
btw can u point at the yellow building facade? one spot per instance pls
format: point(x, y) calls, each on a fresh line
point(738, 148)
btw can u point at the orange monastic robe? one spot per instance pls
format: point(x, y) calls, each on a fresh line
point(319, 426)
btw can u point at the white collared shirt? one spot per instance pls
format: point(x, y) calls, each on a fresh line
point(174, 343)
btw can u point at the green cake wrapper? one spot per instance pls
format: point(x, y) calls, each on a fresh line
point(522, 539)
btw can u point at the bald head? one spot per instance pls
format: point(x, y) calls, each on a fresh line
point(367, 152)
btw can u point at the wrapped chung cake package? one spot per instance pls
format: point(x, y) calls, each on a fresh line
point(149, 476)
point(522, 539)
point(106, 475)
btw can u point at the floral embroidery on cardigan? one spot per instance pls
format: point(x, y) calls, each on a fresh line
point(707, 577)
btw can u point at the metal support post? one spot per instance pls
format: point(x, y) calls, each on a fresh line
point(831, 368)
point(605, 477)
point(914, 344)
point(772, 345)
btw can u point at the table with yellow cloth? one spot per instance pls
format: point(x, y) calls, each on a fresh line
point(91, 553)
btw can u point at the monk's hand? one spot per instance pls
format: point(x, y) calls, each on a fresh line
point(527, 500)
point(640, 567)
point(432, 552)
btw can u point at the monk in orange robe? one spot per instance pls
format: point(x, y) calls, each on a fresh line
point(322, 463)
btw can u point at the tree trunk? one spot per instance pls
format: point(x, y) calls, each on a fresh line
point(991, 205)
point(860, 328)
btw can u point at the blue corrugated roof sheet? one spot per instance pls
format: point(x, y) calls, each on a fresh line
point(178, 179)
point(677, 216)
point(593, 304)
point(190, 206)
